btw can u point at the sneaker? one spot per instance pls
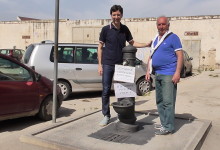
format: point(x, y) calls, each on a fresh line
point(163, 131)
point(158, 126)
point(105, 121)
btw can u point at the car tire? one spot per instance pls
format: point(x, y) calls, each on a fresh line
point(65, 89)
point(183, 73)
point(143, 86)
point(45, 112)
point(190, 73)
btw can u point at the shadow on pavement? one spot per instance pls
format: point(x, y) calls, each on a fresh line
point(141, 137)
point(65, 112)
point(81, 95)
point(25, 122)
point(180, 119)
point(18, 124)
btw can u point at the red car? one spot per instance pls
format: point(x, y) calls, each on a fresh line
point(23, 92)
point(14, 53)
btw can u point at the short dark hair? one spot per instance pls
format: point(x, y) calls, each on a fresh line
point(115, 8)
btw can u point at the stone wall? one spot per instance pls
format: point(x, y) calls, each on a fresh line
point(200, 35)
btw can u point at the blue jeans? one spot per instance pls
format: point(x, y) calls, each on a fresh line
point(165, 99)
point(107, 77)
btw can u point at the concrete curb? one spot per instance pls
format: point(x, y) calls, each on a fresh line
point(200, 137)
point(31, 139)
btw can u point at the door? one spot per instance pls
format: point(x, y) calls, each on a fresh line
point(18, 91)
point(193, 48)
point(86, 67)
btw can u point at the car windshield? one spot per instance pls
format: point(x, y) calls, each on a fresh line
point(10, 71)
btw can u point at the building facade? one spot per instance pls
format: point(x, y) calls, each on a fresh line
point(200, 35)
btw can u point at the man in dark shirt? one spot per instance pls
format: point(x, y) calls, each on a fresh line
point(113, 37)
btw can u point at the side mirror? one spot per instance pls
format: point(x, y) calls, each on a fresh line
point(37, 77)
point(190, 58)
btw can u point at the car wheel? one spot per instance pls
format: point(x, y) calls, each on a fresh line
point(183, 73)
point(143, 87)
point(65, 89)
point(45, 112)
point(190, 73)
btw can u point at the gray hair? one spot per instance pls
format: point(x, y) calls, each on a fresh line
point(168, 20)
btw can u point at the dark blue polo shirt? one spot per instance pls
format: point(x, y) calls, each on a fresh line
point(114, 40)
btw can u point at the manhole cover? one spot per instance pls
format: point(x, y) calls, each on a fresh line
point(115, 138)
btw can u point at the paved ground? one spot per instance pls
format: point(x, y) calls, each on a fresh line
point(84, 134)
point(198, 97)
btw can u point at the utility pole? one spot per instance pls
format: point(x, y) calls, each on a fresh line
point(54, 110)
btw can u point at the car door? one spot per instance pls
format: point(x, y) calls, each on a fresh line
point(18, 91)
point(66, 67)
point(86, 67)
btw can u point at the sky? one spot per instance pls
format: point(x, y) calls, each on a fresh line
point(100, 9)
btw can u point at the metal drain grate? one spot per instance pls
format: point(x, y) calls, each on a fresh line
point(115, 138)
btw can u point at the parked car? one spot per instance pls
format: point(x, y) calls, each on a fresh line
point(77, 66)
point(187, 65)
point(24, 92)
point(14, 53)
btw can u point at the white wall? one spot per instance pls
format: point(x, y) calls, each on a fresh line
point(23, 33)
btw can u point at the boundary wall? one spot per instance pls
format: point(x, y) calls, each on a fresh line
point(200, 35)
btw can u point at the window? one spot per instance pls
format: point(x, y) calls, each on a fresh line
point(86, 55)
point(3, 52)
point(65, 54)
point(10, 71)
point(17, 53)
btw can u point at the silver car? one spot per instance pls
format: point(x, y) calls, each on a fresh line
point(187, 65)
point(77, 67)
